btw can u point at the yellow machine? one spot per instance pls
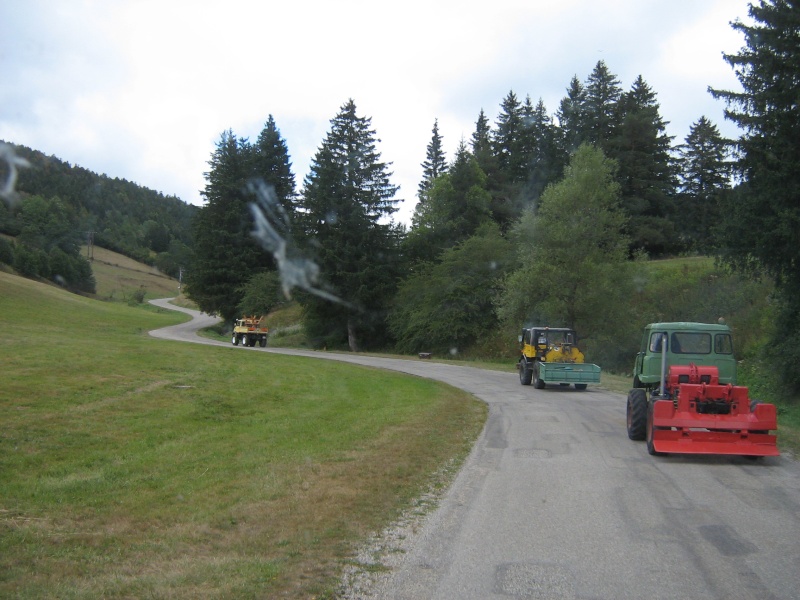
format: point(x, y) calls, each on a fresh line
point(249, 330)
point(550, 355)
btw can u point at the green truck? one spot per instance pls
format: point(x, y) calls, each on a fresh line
point(702, 344)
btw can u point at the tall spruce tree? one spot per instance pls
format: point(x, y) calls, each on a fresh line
point(435, 162)
point(646, 174)
point(271, 163)
point(704, 177)
point(508, 140)
point(457, 204)
point(601, 110)
point(225, 253)
point(546, 164)
point(571, 117)
point(761, 225)
point(346, 201)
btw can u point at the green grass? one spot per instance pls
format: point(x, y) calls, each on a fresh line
point(136, 467)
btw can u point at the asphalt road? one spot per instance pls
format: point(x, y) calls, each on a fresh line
point(555, 502)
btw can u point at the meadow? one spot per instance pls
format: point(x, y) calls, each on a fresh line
point(136, 467)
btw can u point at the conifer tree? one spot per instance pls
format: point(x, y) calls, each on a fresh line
point(642, 149)
point(761, 224)
point(271, 163)
point(704, 177)
point(601, 113)
point(509, 140)
point(457, 204)
point(546, 164)
point(346, 201)
point(571, 117)
point(435, 162)
point(225, 253)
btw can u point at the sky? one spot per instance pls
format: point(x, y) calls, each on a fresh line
point(143, 89)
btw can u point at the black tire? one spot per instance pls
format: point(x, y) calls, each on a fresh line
point(581, 386)
point(251, 341)
point(525, 373)
point(263, 342)
point(235, 340)
point(651, 449)
point(537, 381)
point(637, 414)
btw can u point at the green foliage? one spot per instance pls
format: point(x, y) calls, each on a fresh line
point(346, 200)
point(6, 251)
point(705, 178)
point(226, 255)
point(116, 210)
point(446, 306)
point(48, 244)
point(262, 293)
point(455, 206)
point(759, 231)
point(435, 162)
point(642, 149)
point(572, 253)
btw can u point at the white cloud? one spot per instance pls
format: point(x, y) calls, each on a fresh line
point(142, 90)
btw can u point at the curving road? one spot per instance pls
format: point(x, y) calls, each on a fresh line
point(555, 502)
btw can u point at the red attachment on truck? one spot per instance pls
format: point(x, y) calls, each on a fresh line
point(704, 417)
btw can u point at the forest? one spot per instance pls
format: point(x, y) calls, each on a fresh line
point(540, 216)
point(62, 207)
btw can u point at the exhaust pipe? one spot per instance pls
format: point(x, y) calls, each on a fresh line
point(662, 389)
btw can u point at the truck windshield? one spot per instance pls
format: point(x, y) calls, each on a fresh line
point(690, 342)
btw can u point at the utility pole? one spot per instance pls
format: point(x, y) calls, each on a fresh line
point(90, 245)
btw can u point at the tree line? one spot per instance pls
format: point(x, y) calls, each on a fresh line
point(537, 216)
point(63, 206)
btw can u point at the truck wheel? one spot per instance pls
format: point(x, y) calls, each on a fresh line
point(525, 373)
point(235, 340)
point(538, 383)
point(637, 414)
point(651, 449)
point(263, 342)
point(580, 386)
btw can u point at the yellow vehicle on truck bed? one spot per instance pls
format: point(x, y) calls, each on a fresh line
point(550, 355)
point(249, 331)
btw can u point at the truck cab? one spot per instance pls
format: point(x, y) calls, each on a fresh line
point(702, 344)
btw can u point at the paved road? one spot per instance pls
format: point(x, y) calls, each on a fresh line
point(555, 502)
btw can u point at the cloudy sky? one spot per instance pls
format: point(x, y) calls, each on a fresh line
point(142, 89)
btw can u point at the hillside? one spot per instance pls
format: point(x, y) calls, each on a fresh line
point(118, 277)
point(116, 213)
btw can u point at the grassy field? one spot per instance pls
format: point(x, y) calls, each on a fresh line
point(118, 277)
point(133, 467)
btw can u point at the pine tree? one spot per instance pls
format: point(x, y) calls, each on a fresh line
point(646, 174)
point(546, 164)
point(481, 143)
point(457, 204)
point(762, 219)
point(271, 163)
point(571, 117)
point(508, 140)
point(226, 255)
point(601, 114)
point(435, 162)
point(346, 200)
point(704, 177)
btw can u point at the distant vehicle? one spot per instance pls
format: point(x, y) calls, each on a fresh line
point(250, 330)
point(550, 355)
